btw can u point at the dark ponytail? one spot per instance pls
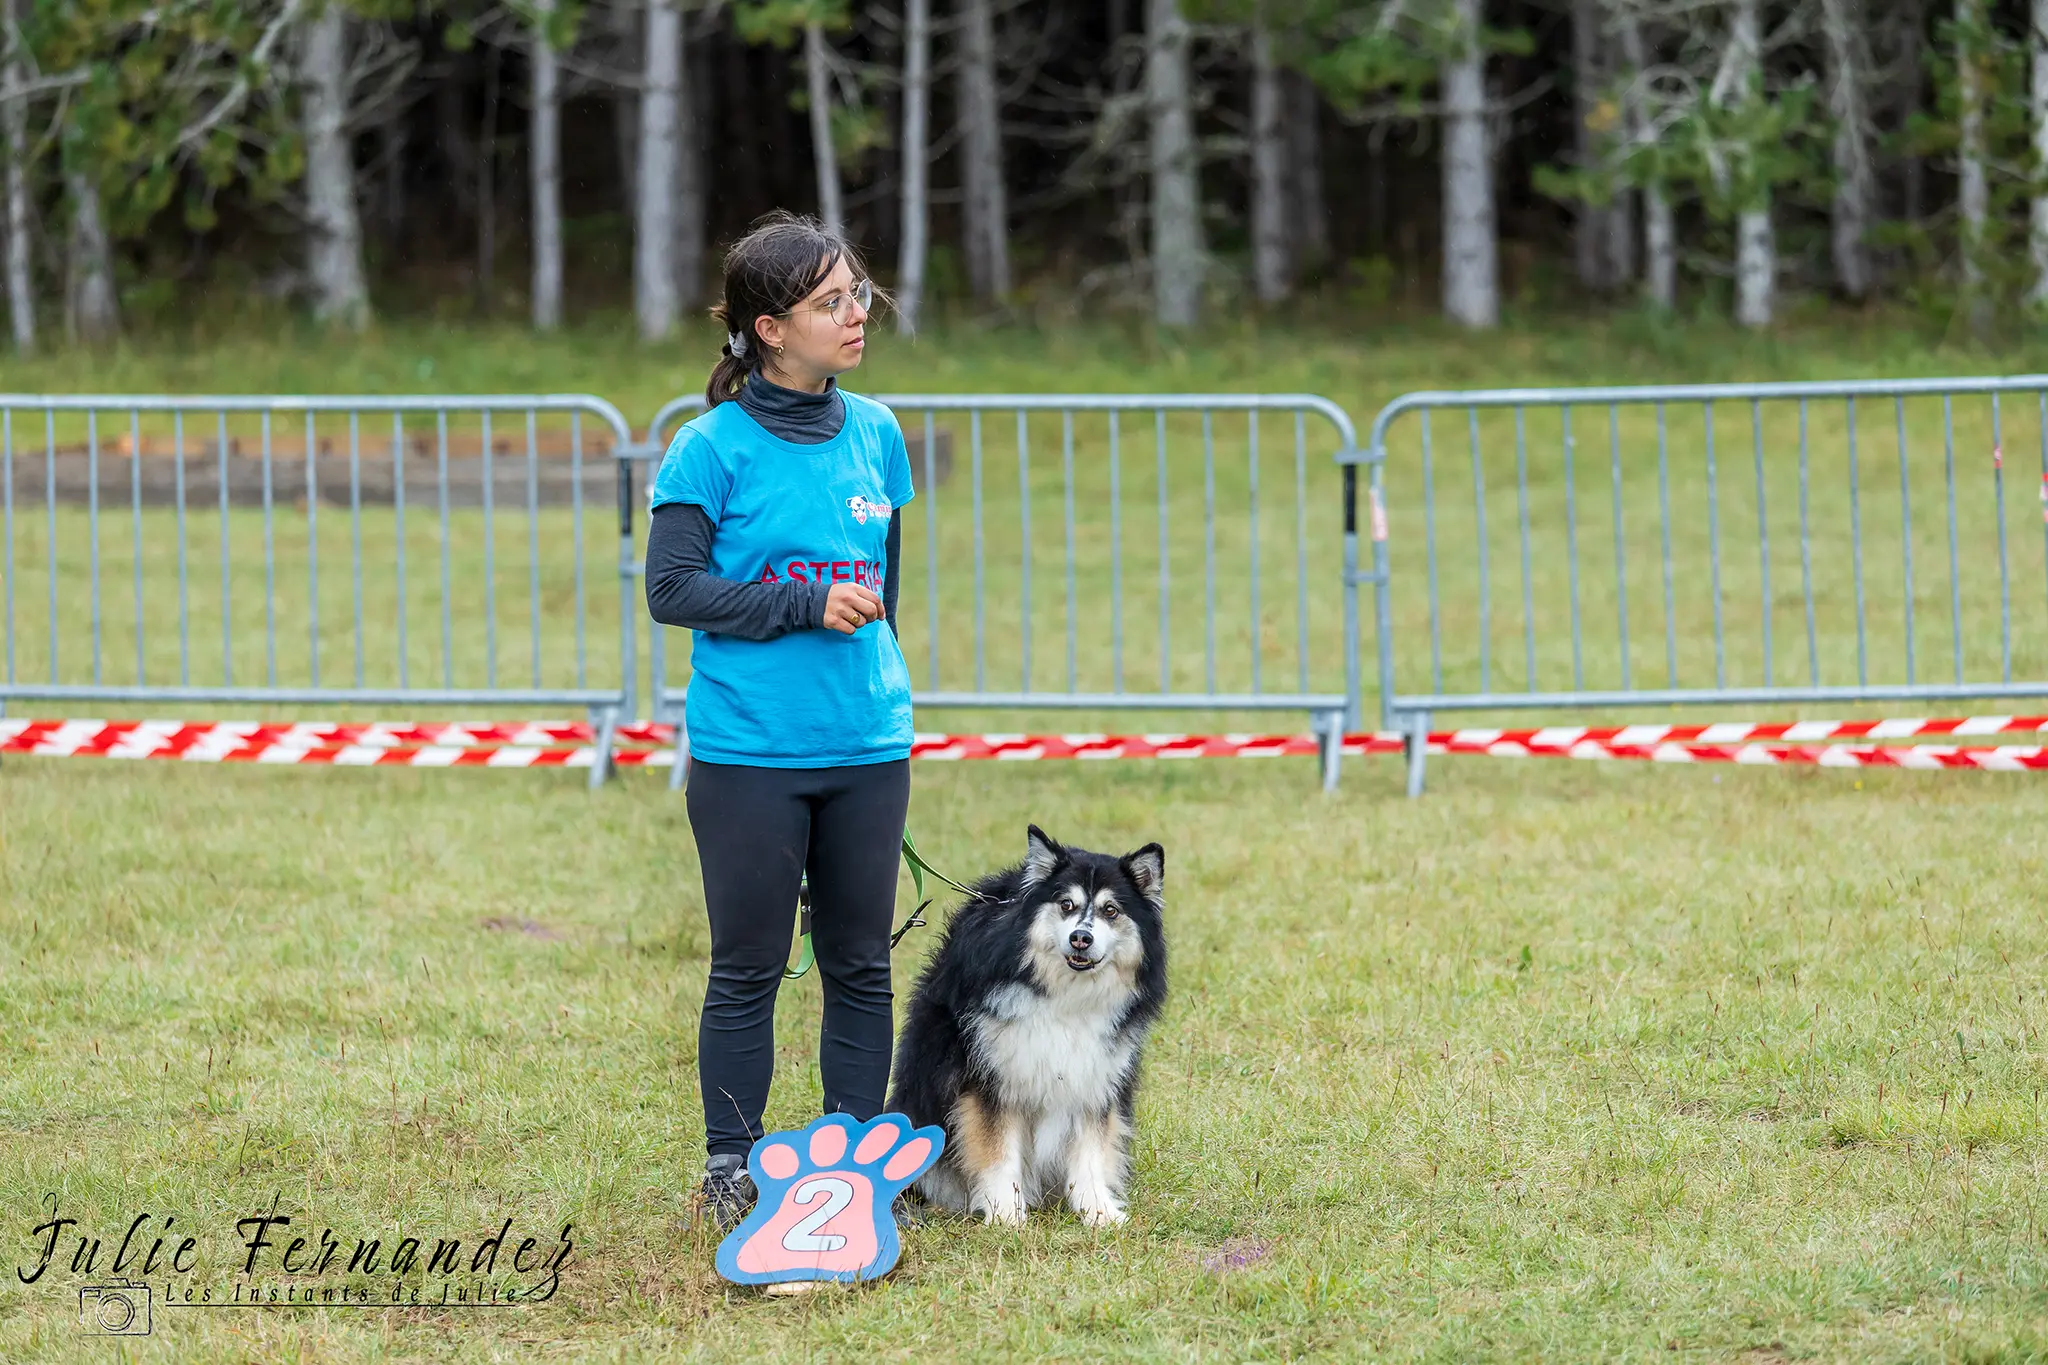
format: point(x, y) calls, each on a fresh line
point(767, 273)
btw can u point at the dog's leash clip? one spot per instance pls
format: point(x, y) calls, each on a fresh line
point(918, 867)
point(916, 921)
point(805, 957)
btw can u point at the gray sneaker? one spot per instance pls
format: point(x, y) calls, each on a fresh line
point(728, 1192)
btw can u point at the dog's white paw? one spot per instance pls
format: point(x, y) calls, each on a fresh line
point(1096, 1207)
point(1106, 1216)
point(1005, 1207)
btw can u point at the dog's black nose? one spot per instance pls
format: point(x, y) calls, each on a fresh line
point(1081, 940)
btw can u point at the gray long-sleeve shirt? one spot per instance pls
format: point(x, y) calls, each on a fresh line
point(681, 590)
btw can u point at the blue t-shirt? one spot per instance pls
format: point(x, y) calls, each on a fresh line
point(816, 514)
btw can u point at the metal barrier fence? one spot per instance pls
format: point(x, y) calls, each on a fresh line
point(1833, 590)
point(412, 546)
point(359, 513)
point(1264, 571)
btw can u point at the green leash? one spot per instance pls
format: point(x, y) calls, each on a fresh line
point(918, 868)
point(804, 957)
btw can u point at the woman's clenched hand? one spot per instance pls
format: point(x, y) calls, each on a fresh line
point(849, 606)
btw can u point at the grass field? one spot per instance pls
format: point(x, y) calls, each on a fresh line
point(1566, 1061)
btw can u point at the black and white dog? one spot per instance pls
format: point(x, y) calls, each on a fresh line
point(1024, 1033)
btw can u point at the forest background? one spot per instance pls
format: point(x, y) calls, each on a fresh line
point(1024, 159)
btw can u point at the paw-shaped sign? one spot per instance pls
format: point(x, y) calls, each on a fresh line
point(826, 1195)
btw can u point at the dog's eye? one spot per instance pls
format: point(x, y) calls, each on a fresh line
point(1107, 912)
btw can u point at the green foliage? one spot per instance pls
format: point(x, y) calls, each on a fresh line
point(859, 126)
point(858, 130)
point(166, 98)
point(781, 23)
point(1729, 158)
point(1999, 62)
point(1735, 156)
point(1358, 53)
point(1365, 55)
point(564, 22)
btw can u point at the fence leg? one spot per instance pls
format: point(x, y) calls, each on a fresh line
point(607, 723)
point(681, 767)
point(1417, 744)
point(1330, 745)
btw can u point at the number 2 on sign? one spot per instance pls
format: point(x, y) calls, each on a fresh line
point(804, 1236)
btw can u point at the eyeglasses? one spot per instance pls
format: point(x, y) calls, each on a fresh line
point(839, 307)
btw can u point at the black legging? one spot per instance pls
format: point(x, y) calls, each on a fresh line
point(758, 831)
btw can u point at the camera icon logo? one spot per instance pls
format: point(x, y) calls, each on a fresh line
point(118, 1308)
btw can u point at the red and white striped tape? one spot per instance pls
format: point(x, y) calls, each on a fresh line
point(517, 744)
point(1998, 758)
point(1774, 743)
point(1129, 746)
point(1742, 732)
point(530, 744)
point(543, 744)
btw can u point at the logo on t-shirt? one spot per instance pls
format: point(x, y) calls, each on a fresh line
point(863, 508)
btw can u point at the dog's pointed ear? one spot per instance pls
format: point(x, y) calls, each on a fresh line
point(1147, 870)
point(1041, 854)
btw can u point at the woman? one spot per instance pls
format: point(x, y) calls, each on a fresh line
point(774, 533)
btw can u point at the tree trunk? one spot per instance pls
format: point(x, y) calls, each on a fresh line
point(1756, 268)
point(21, 299)
point(654, 212)
point(487, 182)
point(986, 212)
point(455, 147)
point(2037, 49)
point(879, 222)
point(335, 241)
point(1973, 197)
point(1756, 257)
point(917, 85)
point(1608, 234)
point(1855, 185)
point(1272, 273)
point(1176, 172)
point(625, 28)
point(824, 153)
point(544, 170)
point(691, 210)
point(744, 180)
point(1471, 245)
point(1620, 246)
point(1660, 250)
point(1310, 247)
point(1913, 97)
point(94, 313)
point(1660, 232)
point(1377, 235)
point(786, 126)
point(391, 140)
point(1590, 233)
